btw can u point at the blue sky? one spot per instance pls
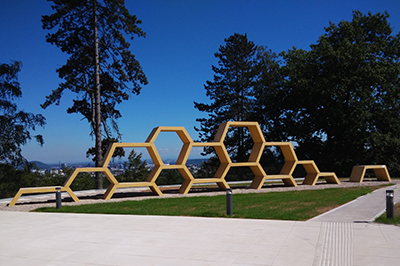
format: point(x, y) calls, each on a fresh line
point(176, 56)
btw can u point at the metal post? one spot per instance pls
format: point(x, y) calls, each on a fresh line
point(389, 204)
point(229, 202)
point(58, 198)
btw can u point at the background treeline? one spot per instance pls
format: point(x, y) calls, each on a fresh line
point(338, 102)
point(12, 178)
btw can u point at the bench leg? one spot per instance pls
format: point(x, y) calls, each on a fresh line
point(16, 197)
point(156, 190)
point(357, 174)
point(289, 182)
point(110, 192)
point(257, 182)
point(332, 179)
point(72, 194)
point(310, 179)
point(186, 186)
point(223, 185)
point(382, 174)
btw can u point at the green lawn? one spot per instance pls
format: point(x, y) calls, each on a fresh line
point(396, 220)
point(290, 205)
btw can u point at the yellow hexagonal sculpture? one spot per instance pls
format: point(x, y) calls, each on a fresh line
point(226, 163)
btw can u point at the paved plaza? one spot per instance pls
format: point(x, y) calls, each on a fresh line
point(343, 236)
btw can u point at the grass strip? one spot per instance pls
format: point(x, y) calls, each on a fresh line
point(396, 220)
point(290, 205)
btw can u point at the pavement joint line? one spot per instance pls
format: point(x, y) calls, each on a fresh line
point(285, 241)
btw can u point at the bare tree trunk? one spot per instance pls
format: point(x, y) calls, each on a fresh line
point(99, 155)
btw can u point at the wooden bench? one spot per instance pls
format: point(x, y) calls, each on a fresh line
point(34, 190)
point(358, 172)
point(65, 188)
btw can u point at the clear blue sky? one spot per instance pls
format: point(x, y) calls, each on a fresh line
point(176, 55)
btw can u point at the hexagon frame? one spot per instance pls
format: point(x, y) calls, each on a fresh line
point(180, 164)
point(256, 151)
point(287, 169)
point(150, 181)
point(219, 176)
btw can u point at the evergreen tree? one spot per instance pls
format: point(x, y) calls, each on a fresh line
point(101, 69)
point(136, 169)
point(267, 92)
point(15, 125)
point(231, 94)
point(268, 107)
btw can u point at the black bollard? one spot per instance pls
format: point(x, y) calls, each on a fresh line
point(229, 202)
point(389, 204)
point(58, 198)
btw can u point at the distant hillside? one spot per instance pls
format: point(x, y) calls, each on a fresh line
point(40, 165)
point(189, 161)
point(196, 161)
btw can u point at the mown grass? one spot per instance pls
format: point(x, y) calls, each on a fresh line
point(396, 220)
point(291, 205)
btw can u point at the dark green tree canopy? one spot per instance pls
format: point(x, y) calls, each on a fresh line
point(267, 89)
point(136, 169)
point(343, 96)
point(15, 125)
point(71, 29)
point(231, 92)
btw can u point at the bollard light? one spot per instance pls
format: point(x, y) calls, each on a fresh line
point(58, 198)
point(229, 210)
point(389, 204)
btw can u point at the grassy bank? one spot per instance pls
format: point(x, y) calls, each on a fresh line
point(291, 205)
point(396, 220)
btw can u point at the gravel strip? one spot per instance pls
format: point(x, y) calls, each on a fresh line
point(29, 202)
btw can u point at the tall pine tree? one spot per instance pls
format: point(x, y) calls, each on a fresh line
point(101, 69)
point(231, 94)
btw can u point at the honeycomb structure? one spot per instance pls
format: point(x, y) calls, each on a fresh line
point(226, 163)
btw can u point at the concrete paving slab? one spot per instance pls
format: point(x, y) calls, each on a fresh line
point(91, 239)
point(364, 209)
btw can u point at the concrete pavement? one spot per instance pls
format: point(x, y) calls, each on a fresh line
point(90, 239)
point(363, 209)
